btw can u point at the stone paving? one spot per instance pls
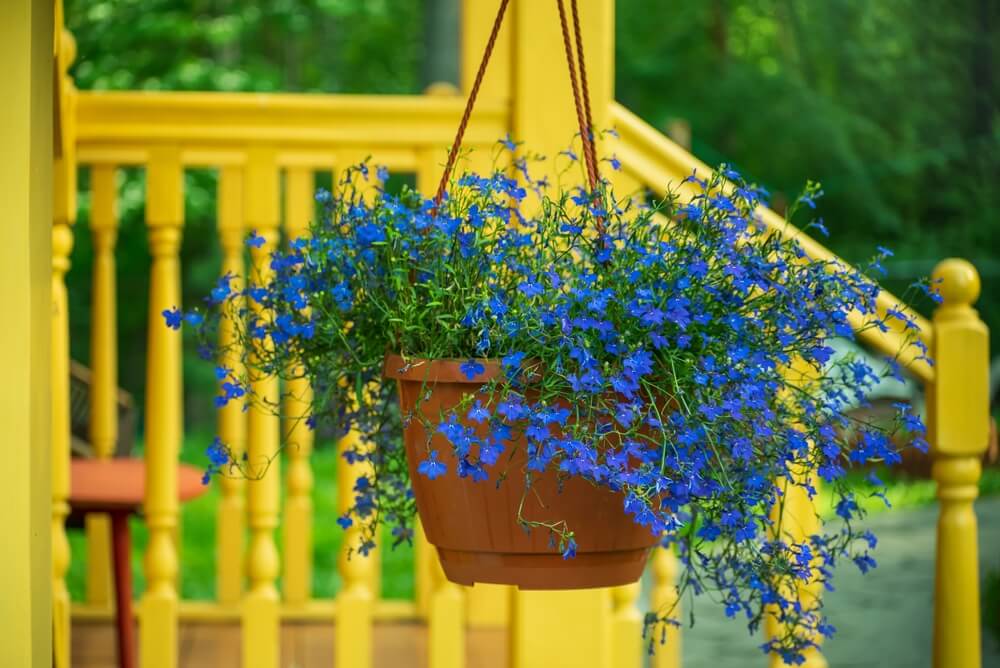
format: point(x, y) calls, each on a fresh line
point(883, 619)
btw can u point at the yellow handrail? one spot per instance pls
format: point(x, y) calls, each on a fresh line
point(656, 161)
point(212, 129)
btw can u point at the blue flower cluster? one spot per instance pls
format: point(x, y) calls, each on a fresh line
point(678, 353)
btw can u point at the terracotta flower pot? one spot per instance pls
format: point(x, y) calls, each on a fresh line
point(474, 524)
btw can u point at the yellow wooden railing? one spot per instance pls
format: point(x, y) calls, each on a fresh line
point(255, 142)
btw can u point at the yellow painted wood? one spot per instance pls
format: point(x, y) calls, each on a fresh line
point(488, 606)
point(163, 435)
point(476, 18)
point(298, 437)
point(118, 125)
point(664, 600)
point(561, 629)
point(794, 519)
point(446, 623)
point(958, 411)
point(626, 626)
point(64, 216)
point(260, 603)
point(231, 418)
point(315, 610)
point(424, 558)
point(543, 115)
point(355, 600)
point(103, 366)
point(62, 244)
point(26, 278)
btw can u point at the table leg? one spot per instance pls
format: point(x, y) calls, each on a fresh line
point(121, 544)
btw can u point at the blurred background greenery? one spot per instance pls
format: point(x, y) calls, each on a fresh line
point(892, 105)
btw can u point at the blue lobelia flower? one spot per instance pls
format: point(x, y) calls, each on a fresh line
point(255, 240)
point(173, 317)
point(570, 549)
point(471, 368)
point(432, 467)
point(218, 453)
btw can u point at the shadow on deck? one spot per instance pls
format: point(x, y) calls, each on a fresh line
point(303, 645)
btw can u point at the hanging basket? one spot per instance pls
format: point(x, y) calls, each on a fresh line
point(474, 525)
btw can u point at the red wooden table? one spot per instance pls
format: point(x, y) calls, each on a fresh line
point(118, 487)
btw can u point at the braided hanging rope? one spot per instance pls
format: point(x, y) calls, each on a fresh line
point(585, 135)
point(583, 85)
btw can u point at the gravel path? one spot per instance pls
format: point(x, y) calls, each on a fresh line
point(883, 619)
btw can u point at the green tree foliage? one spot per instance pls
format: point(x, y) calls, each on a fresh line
point(892, 105)
point(316, 46)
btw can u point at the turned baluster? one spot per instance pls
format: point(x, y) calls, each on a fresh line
point(664, 600)
point(103, 423)
point(298, 437)
point(231, 419)
point(958, 412)
point(261, 624)
point(355, 600)
point(64, 182)
point(164, 220)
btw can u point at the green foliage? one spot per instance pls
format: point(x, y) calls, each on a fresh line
point(327, 46)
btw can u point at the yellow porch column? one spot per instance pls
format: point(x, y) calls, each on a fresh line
point(164, 220)
point(26, 48)
point(564, 629)
point(557, 628)
point(626, 626)
point(232, 420)
point(543, 115)
point(104, 368)
point(445, 623)
point(261, 624)
point(958, 411)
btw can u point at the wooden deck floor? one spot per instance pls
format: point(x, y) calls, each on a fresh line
point(303, 645)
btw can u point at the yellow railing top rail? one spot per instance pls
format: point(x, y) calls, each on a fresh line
point(656, 161)
point(214, 128)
